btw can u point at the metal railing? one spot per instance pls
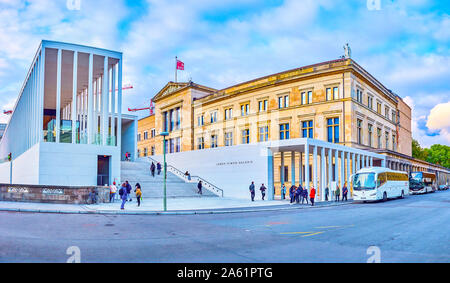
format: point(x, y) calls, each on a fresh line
point(192, 179)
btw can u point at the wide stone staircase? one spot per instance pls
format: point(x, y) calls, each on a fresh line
point(153, 187)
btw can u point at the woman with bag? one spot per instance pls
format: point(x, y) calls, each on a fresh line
point(138, 192)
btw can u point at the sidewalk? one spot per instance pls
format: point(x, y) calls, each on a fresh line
point(175, 206)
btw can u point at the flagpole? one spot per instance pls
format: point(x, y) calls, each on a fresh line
point(176, 63)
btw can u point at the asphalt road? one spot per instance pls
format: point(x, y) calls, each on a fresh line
point(414, 229)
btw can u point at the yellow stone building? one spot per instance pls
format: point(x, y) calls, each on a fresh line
point(336, 101)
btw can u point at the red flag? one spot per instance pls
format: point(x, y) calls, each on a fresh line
point(180, 65)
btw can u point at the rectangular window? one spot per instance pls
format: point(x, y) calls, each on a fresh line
point(307, 129)
point(335, 93)
point(394, 143)
point(359, 130)
point(139, 137)
point(333, 130)
point(284, 131)
point(213, 141)
point(379, 108)
point(394, 116)
point(228, 114)
point(246, 136)
point(263, 133)
point(245, 108)
point(145, 152)
point(386, 112)
point(370, 102)
point(201, 143)
point(304, 98)
point(153, 150)
point(379, 137)
point(213, 117)
point(310, 97)
point(328, 94)
point(262, 105)
point(153, 133)
point(370, 134)
point(229, 139)
point(283, 101)
point(145, 135)
point(200, 120)
point(387, 140)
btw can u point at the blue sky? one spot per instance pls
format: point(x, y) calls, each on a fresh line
point(405, 44)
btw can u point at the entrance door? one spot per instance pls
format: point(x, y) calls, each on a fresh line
point(103, 170)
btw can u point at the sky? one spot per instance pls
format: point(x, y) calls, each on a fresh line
point(405, 44)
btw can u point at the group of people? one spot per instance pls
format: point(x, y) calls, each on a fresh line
point(154, 168)
point(125, 193)
point(299, 194)
point(127, 156)
point(337, 193)
point(253, 192)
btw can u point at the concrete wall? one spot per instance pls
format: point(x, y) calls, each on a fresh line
point(74, 164)
point(5, 172)
point(129, 139)
point(232, 169)
point(25, 168)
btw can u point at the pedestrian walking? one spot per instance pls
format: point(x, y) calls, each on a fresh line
point(305, 196)
point(283, 192)
point(312, 196)
point(327, 191)
point(138, 192)
point(152, 169)
point(298, 193)
point(123, 195)
point(93, 196)
point(188, 175)
point(263, 191)
point(292, 193)
point(252, 191)
point(344, 192)
point(112, 192)
point(128, 186)
point(199, 186)
point(158, 167)
point(337, 193)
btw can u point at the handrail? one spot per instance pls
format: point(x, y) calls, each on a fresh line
point(216, 190)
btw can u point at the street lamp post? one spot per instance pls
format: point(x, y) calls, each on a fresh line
point(164, 134)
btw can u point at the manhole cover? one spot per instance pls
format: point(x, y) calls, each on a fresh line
point(109, 224)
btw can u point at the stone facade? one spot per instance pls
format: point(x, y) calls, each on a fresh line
point(51, 194)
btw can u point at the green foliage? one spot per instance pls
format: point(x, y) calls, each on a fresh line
point(437, 154)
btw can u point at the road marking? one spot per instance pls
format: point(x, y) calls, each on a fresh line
point(293, 233)
point(326, 227)
point(313, 234)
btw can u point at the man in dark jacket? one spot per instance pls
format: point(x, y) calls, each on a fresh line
point(292, 193)
point(158, 167)
point(298, 194)
point(152, 169)
point(252, 191)
point(263, 191)
point(305, 195)
point(128, 190)
point(199, 186)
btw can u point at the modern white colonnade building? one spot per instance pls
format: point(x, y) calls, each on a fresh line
point(67, 127)
point(328, 163)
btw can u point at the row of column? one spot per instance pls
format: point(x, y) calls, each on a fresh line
point(345, 164)
point(93, 105)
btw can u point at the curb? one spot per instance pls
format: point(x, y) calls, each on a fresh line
point(193, 212)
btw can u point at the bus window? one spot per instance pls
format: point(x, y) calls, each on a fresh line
point(381, 179)
point(364, 181)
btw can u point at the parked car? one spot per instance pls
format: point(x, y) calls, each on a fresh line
point(443, 187)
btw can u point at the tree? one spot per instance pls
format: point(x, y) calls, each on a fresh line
point(436, 154)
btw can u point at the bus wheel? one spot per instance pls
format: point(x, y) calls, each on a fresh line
point(384, 197)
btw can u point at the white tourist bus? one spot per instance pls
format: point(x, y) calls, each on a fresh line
point(379, 183)
point(422, 182)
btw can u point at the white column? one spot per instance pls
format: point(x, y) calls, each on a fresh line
point(41, 96)
point(74, 95)
point(348, 170)
point(90, 101)
point(300, 169)
point(307, 166)
point(292, 168)
point(119, 105)
point(330, 168)
point(282, 177)
point(371, 161)
point(58, 95)
point(323, 174)
point(315, 168)
point(358, 162)
point(336, 166)
point(342, 169)
point(353, 163)
point(105, 94)
point(113, 102)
